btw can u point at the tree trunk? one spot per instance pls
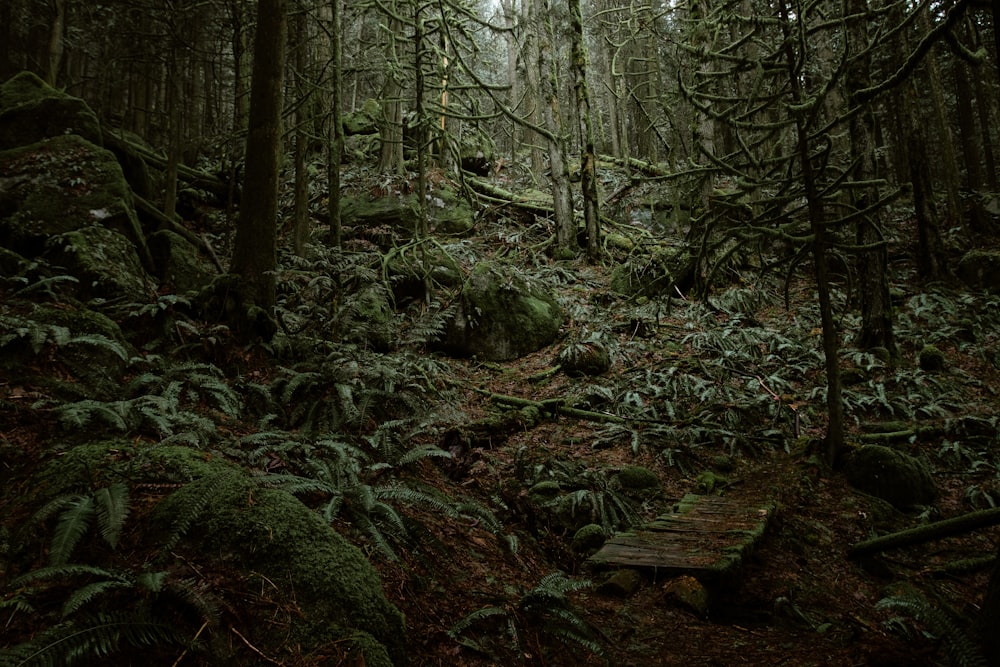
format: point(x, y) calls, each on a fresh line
point(254, 252)
point(336, 141)
point(57, 33)
point(391, 154)
point(562, 201)
point(588, 160)
point(300, 225)
point(876, 309)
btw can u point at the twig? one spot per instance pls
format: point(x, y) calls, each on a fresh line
point(254, 648)
point(194, 639)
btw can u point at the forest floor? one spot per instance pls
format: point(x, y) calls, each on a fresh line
point(739, 383)
point(801, 600)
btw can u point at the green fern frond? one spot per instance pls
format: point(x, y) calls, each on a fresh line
point(112, 504)
point(93, 637)
point(962, 650)
point(471, 619)
point(103, 342)
point(79, 414)
point(83, 595)
point(73, 524)
point(195, 497)
point(56, 572)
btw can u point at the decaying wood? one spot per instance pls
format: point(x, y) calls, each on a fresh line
point(934, 531)
point(553, 406)
point(195, 177)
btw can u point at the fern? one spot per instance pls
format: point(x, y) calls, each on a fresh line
point(92, 637)
point(544, 610)
point(195, 497)
point(961, 649)
point(111, 507)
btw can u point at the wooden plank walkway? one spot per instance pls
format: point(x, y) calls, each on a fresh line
point(707, 537)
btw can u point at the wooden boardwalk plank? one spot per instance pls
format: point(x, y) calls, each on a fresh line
point(707, 537)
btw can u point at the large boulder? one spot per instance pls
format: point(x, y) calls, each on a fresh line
point(178, 262)
point(66, 198)
point(893, 476)
point(980, 269)
point(661, 272)
point(337, 592)
point(31, 110)
point(502, 315)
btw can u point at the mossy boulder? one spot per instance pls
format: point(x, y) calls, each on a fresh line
point(447, 213)
point(363, 120)
point(178, 262)
point(655, 274)
point(104, 261)
point(31, 110)
point(62, 185)
point(589, 539)
point(270, 533)
point(931, 359)
point(501, 316)
point(638, 479)
point(96, 353)
point(893, 476)
point(981, 269)
point(368, 319)
point(409, 269)
point(584, 358)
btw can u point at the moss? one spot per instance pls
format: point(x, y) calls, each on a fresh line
point(588, 539)
point(268, 531)
point(31, 110)
point(638, 478)
point(178, 262)
point(105, 262)
point(931, 359)
point(544, 491)
point(61, 185)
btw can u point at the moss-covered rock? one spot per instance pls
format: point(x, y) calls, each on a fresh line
point(891, 475)
point(104, 261)
point(178, 263)
point(501, 316)
point(981, 269)
point(930, 359)
point(638, 479)
point(31, 110)
point(62, 185)
point(268, 531)
point(655, 274)
point(584, 358)
point(368, 319)
point(588, 539)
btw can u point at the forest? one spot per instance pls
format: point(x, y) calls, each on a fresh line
point(477, 332)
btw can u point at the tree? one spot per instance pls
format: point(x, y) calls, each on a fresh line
point(254, 252)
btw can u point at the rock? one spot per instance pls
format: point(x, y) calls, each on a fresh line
point(930, 359)
point(686, 591)
point(638, 479)
point(396, 215)
point(656, 274)
point(893, 476)
point(584, 358)
point(105, 262)
point(266, 531)
point(368, 319)
point(501, 316)
point(31, 110)
point(981, 269)
point(621, 583)
point(588, 539)
point(62, 185)
point(178, 262)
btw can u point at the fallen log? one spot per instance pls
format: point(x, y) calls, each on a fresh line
point(932, 531)
point(553, 406)
point(196, 177)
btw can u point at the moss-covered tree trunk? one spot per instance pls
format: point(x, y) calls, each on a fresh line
point(254, 252)
point(562, 202)
point(588, 160)
point(336, 137)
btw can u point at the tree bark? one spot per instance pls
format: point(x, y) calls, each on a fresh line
point(588, 160)
point(254, 251)
point(300, 224)
point(336, 137)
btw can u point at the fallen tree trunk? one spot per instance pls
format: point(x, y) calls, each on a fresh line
point(196, 177)
point(933, 531)
point(554, 406)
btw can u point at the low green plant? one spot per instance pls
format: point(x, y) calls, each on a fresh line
point(539, 618)
point(959, 646)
